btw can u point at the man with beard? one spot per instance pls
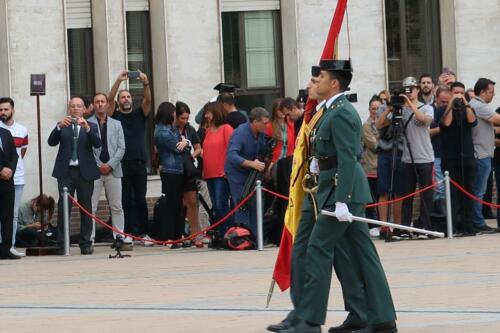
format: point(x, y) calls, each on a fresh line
point(134, 180)
point(20, 135)
point(426, 94)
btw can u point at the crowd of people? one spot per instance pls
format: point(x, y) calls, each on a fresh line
point(435, 127)
point(410, 138)
point(101, 145)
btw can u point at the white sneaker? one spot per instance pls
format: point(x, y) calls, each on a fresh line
point(15, 252)
point(147, 241)
point(128, 240)
point(375, 232)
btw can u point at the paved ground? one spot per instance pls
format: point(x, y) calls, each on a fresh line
point(437, 285)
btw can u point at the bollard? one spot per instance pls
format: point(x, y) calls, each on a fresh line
point(449, 225)
point(66, 220)
point(260, 215)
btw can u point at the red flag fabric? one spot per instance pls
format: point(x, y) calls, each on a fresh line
point(283, 262)
point(282, 267)
point(333, 33)
point(329, 48)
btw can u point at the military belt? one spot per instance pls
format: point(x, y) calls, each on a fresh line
point(327, 163)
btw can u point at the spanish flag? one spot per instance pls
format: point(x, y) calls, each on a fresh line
point(282, 267)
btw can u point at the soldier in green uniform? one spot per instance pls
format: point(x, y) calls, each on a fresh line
point(352, 287)
point(343, 187)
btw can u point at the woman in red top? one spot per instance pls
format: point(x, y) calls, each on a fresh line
point(217, 135)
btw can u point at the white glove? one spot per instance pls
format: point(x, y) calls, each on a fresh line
point(342, 212)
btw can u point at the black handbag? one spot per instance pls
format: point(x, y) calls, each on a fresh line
point(190, 170)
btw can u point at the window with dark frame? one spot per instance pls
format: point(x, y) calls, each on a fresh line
point(139, 58)
point(252, 56)
point(81, 62)
point(413, 39)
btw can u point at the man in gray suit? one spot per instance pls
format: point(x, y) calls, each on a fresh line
point(108, 158)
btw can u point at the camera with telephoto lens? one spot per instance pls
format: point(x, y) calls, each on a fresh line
point(353, 98)
point(458, 104)
point(397, 102)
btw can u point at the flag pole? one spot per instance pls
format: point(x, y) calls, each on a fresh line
point(270, 292)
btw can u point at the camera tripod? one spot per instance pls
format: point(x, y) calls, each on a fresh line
point(399, 133)
point(117, 245)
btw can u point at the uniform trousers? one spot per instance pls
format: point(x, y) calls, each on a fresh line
point(326, 236)
point(352, 287)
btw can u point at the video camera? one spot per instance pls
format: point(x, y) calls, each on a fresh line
point(353, 98)
point(266, 156)
point(397, 102)
point(267, 152)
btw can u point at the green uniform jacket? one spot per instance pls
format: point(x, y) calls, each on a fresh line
point(339, 134)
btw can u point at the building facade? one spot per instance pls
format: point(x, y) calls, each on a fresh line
point(265, 46)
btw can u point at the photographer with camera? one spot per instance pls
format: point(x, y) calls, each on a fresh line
point(457, 121)
point(134, 180)
point(75, 168)
point(418, 156)
point(389, 149)
point(246, 145)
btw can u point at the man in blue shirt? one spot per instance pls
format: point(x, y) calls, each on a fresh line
point(244, 155)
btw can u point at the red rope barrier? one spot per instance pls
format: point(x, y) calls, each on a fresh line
point(374, 204)
point(464, 191)
point(281, 196)
point(403, 197)
point(242, 202)
point(222, 220)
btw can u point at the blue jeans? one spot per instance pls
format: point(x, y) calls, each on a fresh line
point(438, 175)
point(218, 188)
point(496, 168)
point(247, 215)
point(17, 201)
point(483, 169)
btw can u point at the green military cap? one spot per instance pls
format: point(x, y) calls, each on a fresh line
point(336, 65)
